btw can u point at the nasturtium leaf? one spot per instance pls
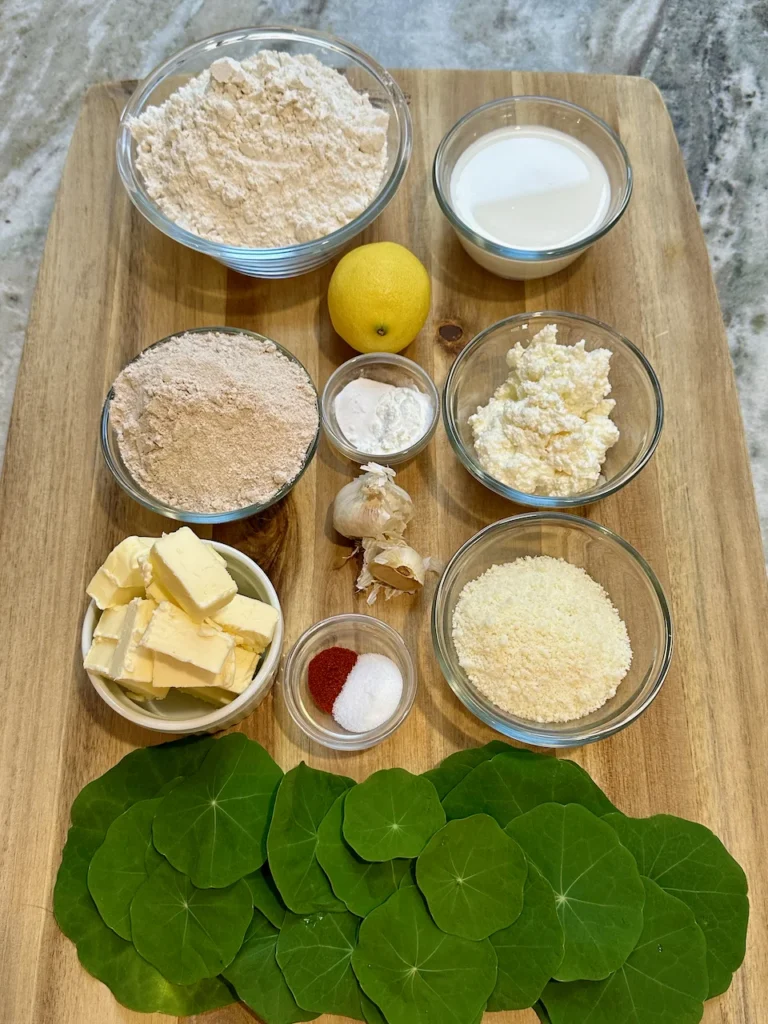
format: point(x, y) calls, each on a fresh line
point(304, 798)
point(392, 814)
point(213, 826)
point(140, 775)
point(506, 787)
point(664, 980)
point(472, 876)
point(258, 980)
point(371, 1013)
point(361, 884)
point(415, 972)
point(265, 895)
point(315, 955)
point(115, 962)
point(123, 863)
point(188, 933)
point(530, 950)
point(689, 862)
point(598, 890)
point(452, 769)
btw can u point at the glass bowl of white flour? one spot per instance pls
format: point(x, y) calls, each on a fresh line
point(268, 149)
point(552, 410)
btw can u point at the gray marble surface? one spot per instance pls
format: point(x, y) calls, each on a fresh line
point(709, 58)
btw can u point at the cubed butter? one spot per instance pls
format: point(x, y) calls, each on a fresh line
point(108, 594)
point(154, 589)
point(171, 672)
point(245, 664)
point(213, 695)
point(122, 564)
point(99, 656)
point(110, 625)
point(192, 573)
point(144, 691)
point(132, 663)
point(173, 633)
point(253, 621)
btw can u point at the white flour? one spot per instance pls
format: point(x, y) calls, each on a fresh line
point(269, 152)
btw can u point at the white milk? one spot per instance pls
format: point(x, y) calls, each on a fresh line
point(530, 187)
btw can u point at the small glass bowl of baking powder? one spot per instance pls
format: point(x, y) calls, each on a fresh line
point(360, 633)
point(385, 368)
point(362, 72)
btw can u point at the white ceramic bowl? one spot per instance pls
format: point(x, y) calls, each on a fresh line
point(182, 714)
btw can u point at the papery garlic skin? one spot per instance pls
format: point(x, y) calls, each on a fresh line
point(373, 505)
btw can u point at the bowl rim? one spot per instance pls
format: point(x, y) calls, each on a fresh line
point(539, 733)
point(221, 717)
point(353, 741)
point(509, 252)
point(130, 486)
point(369, 359)
point(547, 501)
point(333, 241)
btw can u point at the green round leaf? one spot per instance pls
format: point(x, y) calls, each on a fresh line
point(122, 864)
point(506, 787)
point(689, 862)
point(664, 980)
point(598, 889)
point(392, 814)
point(140, 775)
point(115, 962)
point(530, 950)
point(472, 876)
point(188, 933)
point(213, 826)
point(415, 972)
point(455, 767)
point(362, 885)
point(265, 895)
point(315, 955)
point(258, 980)
point(304, 798)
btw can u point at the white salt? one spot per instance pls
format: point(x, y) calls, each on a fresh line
point(370, 695)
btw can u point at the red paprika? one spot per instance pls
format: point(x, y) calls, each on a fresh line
point(327, 673)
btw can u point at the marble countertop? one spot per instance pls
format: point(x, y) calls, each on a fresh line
point(709, 60)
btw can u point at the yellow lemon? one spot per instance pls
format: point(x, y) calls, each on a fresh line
point(378, 297)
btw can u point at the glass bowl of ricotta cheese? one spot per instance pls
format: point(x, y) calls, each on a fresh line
point(528, 183)
point(552, 410)
point(380, 407)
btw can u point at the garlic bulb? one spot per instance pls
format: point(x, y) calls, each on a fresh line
point(397, 565)
point(372, 505)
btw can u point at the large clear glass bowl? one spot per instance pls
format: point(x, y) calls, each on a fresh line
point(622, 572)
point(361, 71)
point(481, 367)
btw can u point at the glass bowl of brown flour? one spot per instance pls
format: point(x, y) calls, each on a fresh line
point(268, 149)
point(210, 425)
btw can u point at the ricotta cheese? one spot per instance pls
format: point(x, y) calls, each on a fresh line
point(547, 428)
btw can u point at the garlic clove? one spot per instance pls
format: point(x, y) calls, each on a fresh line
point(400, 567)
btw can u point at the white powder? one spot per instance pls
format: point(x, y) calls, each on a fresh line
point(272, 151)
point(370, 694)
point(547, 427)
point(541, 639)
point(378, 418)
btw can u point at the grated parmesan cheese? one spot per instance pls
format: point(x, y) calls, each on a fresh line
point(541, 639)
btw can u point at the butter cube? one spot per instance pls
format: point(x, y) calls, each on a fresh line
point(132, 663)
point(154, 590)
point(192, 573)
point(253, 621)
point(172, 632)
point(245, 665)
point(212, 695)
point(143, 691)
point(122, 565)
point(171, 672)
point(107, 594)
point(110, 625)
point(99, 657)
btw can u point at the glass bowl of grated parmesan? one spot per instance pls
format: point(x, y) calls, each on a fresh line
point(552, 410)
point(567, 617)
point(268, 149)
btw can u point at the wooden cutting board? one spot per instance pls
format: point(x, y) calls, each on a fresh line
point(110, 285)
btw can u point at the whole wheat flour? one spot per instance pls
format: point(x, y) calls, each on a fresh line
point(213, 422)
point(272, 151)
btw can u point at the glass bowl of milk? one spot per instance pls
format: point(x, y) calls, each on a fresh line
point(528, 183)
point(380, 407)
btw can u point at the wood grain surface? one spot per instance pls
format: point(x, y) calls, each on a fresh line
point(110, 285)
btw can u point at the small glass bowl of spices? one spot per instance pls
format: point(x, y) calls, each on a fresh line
point(349, 682)
point(380, 406)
